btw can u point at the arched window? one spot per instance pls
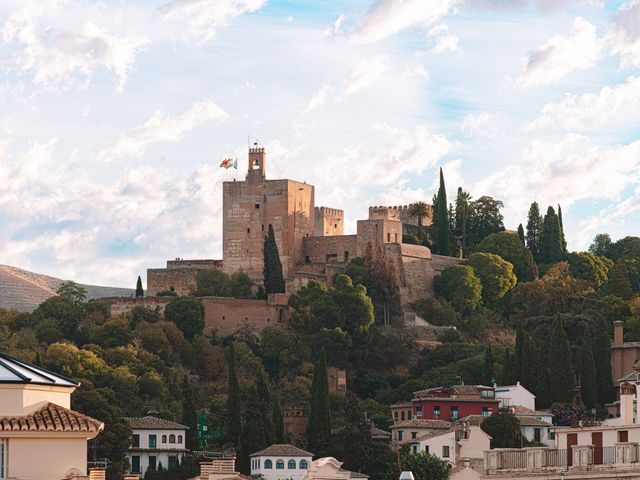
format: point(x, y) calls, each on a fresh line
point(303, 465)
point(179, 438)
point(280, 465)
point(172, 438)
point(291, 464)
point(268, 464)
point(164, 439)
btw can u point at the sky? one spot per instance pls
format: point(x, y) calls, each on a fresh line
point(114, 116)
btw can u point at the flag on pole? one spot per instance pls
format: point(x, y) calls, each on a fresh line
point(235, 164)
point(226, 163)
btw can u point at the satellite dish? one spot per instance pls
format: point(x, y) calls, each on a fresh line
point(74, 473)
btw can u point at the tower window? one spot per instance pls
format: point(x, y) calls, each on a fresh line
point(248, 230)
point(257, 205)
point(263, 228)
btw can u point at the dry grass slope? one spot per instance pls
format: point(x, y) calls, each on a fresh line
point(24, 291)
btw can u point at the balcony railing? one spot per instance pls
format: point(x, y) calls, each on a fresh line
point(546, 459)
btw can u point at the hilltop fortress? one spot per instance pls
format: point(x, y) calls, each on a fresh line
point(310, 239)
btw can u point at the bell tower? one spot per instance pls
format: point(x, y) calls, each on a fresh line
point(257, 168)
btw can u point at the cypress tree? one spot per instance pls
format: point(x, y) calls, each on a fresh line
point(272, 270)
point(253, 438)
point(602, 356)
point(561, 379)
point(265, 409)
point(532, 266)
point(443, 229)
point(189, 414)
point(588, 375)
point(534, 229)
point(518, 357)
point(488, 373)
point(564, 241)
point(506, 368)
point(521, 234)
point(139, 289)
point(278, 422)
point(353, 442)
point(234, 416)
point(550, 249)
point(319, 430)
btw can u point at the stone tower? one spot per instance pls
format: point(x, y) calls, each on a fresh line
point(250, 206)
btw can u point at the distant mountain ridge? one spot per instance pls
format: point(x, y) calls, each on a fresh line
point(23, 290)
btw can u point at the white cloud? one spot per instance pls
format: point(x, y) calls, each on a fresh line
point(475, 124)
point(205, 17)
point(58, 57)
point(624, 36)
point(580, 112)
point(560, 56)
point(563, 172)
point(388, 17)
point(363, 74)
point(333, 28)
point(162, 128)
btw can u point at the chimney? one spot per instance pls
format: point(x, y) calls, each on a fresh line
point(97, 474)
point(131, 476)
point(224, 465)
point(206, 468)
point(618, 332)
point(576, 398)
point(626, 403)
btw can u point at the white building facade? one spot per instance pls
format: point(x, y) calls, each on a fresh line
point(155, 442)
point(281, 462)
point(514, 395)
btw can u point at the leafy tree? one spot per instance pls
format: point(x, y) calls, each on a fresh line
point(166, 293)
point(462, 217)
point(589, 267)
point(273, 277)
point(319, 430)
point(188, 315)
point(625, 248)
point(508, 246)
point(234, 416)
point(534, 230)
point(618, 282)
point(551, 248)
point(504, 429)
point(588, 375)
point(521, 234)
point(460, 286)
point(212, 282)
point(425, 466)
point(485, 219)
point(353, 439)
point(410, 239)
point(241, 285)
point(63, 312)
point(72, 291)
point(420, 211)
point(442, 227)
point(139, 289)
point(601, 245)
point(495, 274)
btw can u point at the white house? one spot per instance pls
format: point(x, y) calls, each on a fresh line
point(328, 468)
point(40, 436)
point(155, 442)
point(536, 426)
point(281, 462)
point(513, 395)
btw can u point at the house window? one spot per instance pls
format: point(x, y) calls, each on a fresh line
point(179, 438)
point(152, 462)
point(400, 435)
point(454, 413)
point(414, 435)
point(135, 464)
point(485, 411)
point(173, 462)
point(419, 411)
point(536, 435)
point(402, 415)
point(551, 435)
point(291, 464)
point(389, 237)
point(172, 438)
point(414, 448)
point(426, 448)
point(153, 442)
point(304, 465)
point(268, 464)
point(395, 416)
point(445, 451)
point(135, 440)
point(3, 458)
point(164, 439)
point(279, 464)
point(623, 436)
point(436, 411)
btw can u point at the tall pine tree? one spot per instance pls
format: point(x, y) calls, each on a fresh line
point(534, 229)
point(273, 277)
point(550, 249)
point(319, 429)
point(234, 415)
point(443, 229)
point(139, 289)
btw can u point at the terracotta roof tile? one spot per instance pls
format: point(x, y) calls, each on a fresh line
point(533, 422)
point(154, 423)
point(424, 423)
point(282, 450)
point(51, 418)
point(520, 410)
